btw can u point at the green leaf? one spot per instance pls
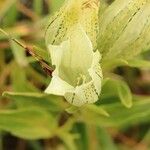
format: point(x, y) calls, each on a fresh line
point(139, 63)
point(110, 65)
point(136, 62)
point(124, 93)
point(38, 6)
point(83, 141)
point(55, 5)
point(117, 88)
point(27, 123)
point(99, 111)
point(19, 54)
point(105, 81)
point(105, 140)
point(35, 145)
point(146, 138)
point(89, 108)
point(119, 115)
point(6, 7)
point(26, 100)
point(68, 138)
point(21, 85)
point(72, 109)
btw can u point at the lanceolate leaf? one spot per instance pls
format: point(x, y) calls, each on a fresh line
point(19, 54)
point(119, 115)
point(124, 93)
point(139, 63)
point(117, 88)
point(125, 29)
point(105, 140)
point(6, 5)
point(26, 100)
point(27, 123)
point(21, 85)
point(135, 62)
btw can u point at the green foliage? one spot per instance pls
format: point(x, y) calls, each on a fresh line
point(19, 123)
point(120, 89)
point(38, 6)
point(106, 142)
point(19, 54)
point(39, 100)
point(29, 113)
point(118, 114)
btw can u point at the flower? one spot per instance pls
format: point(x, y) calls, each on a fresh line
point(124, 29)
point(72, 12)
point(77, 75)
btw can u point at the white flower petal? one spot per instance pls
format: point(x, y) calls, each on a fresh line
point(58, 86)
point(57, 52)
point(89, 92)
point(96, 72)
point(83, 94)
point(80, 48)
point(73, 57)
point(78, 74)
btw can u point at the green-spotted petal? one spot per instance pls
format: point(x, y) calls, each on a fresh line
point(89, 92)
point(73, 12)
point(125, 29)
point(96, 72)
point(77, 75)
point(83, 94)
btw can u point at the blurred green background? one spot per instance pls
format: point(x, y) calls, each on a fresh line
point(27, 128)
